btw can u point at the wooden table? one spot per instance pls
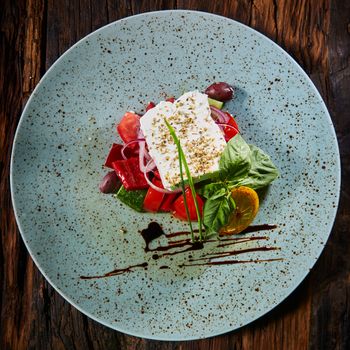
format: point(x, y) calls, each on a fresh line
point(34, 33)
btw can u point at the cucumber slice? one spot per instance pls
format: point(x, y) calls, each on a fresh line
point(215, 103)
point(133, 199)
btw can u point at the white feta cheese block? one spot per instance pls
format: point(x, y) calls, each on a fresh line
point(201, 138)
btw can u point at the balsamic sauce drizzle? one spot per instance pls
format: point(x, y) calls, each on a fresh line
point(154, 231)
point(116, 272)
point(230, 262)
point(234, 252)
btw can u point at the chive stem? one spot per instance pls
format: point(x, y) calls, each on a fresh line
point(185, 200)
point(182, 160)
point(194, 195)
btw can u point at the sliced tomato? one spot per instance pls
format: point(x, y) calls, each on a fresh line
point(230, 131)
point(167, 204)
point(179, 209)
point(170, 99)
point(150, 106)
point(154, 198)
point(129, 127)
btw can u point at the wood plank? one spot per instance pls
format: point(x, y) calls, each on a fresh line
point(32, 65)
point(19, 72)
point(238, 10)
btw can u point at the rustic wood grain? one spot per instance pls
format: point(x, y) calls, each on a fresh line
point(34, 33)
point(330, 322)
point(12, 254)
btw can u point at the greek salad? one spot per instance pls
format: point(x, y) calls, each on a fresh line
point(187, 156)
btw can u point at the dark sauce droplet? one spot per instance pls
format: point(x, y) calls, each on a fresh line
point(153, 231)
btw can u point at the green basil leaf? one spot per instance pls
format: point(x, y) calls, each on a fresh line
point(231, 202)
point(209, 189)
point(235, 160)
point(217, 210)
point(262, 171)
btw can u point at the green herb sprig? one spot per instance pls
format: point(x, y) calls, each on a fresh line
point(182, 161)
point(183, 192)
point(240, 165)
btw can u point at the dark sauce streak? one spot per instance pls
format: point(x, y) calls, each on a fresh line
point(116, 272)
point(193, 246)
point(232, 241)
point(252, 228)
point(234, 252)
point(178, 244)
point(154, 231)
point(230, 262)
point(180, 233)
point(255, 228)
point(180, 241)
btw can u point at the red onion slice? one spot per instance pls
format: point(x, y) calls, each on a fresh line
point(142, 145)
point(149, 167)
point(147, 156)
point(218, 115)
point(127, 145)
point(228, 125)
point(143, 154)
point(140, 134)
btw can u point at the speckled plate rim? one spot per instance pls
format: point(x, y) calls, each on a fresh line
point(288, 291)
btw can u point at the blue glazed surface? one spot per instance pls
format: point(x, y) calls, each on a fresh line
point(68, 125)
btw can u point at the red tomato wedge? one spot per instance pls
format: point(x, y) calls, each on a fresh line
point(170, 99)
point(230, 132)
point(167, 204)
point(129, 127)
point(179, 209)
point(130, 174)
point(154, 198)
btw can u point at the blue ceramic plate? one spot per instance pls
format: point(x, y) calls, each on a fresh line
point(72, 230)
